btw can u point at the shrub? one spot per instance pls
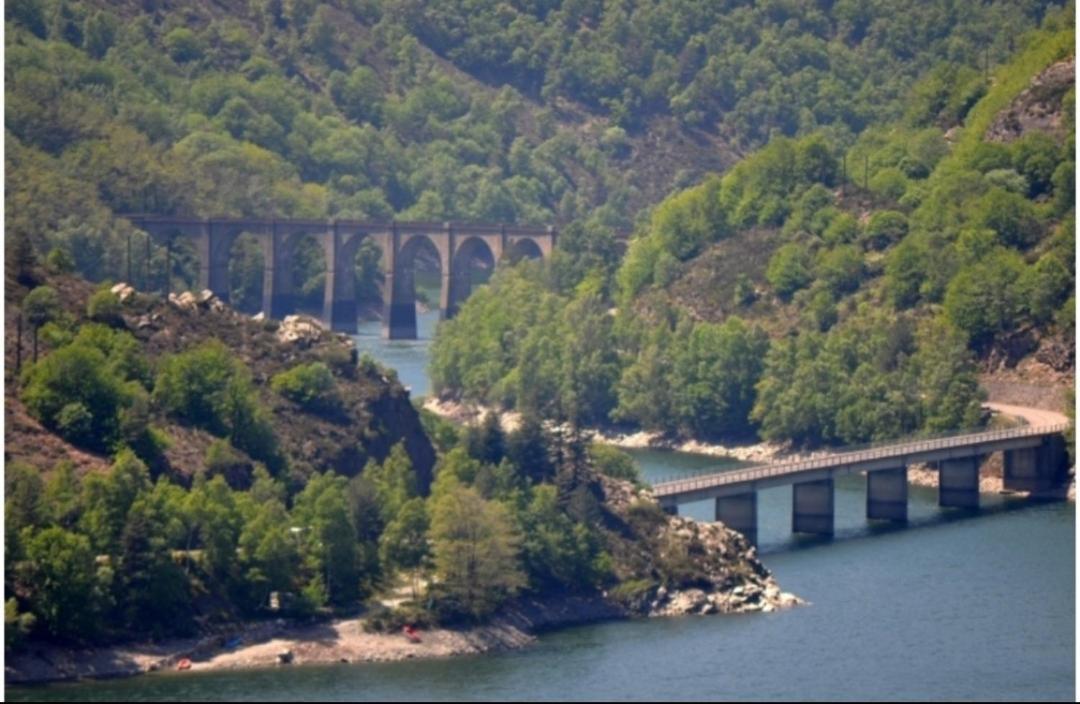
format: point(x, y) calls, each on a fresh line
point(104, 307)
point(1010, 215)
point(311, 386)
point(889, 183)
point(194, 385)
point(59, 261)
point(789, 270)
point(381, 619)
point(613, 462)
point(76, 375)
point(222, 459)
point(209, 388)
point(75, 423)
point(633, 594)
point(885, 228)
point(183, 45)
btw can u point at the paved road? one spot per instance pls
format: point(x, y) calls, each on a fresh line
point(1039, 422)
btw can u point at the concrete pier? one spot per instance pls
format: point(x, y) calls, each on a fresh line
point(1036, 469)
point(958, 482)
point(887, 495)
point(812, 509)
point(739, 512)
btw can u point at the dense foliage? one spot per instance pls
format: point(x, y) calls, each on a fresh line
point(516, 112)
point(898, 258)
point(139, 551)
point(119, 554)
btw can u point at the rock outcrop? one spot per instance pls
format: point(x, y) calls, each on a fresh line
point(1038, 107)
point(681, 566)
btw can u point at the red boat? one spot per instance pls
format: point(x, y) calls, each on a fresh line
point(411, 634)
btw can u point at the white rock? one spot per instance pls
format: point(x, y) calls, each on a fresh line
point(299, 329)
point(123, 291)
point(184, 301)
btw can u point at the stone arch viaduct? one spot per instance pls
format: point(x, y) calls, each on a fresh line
point(456, 246)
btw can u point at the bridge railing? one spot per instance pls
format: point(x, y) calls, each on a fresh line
point(850, 455)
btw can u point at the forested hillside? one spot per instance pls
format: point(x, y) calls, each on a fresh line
point(535, 112)
point(827, 289)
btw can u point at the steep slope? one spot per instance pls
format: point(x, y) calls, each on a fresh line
point(375, 411)
point(825, 289)
point(557, 112)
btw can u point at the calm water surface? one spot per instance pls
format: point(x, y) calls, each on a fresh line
point(955, 606)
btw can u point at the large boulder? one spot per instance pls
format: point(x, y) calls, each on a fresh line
point(184, 301)
point(302, 330)
point(123, 291)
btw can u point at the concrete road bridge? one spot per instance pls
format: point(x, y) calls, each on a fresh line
point(456, 246)
point(1035, 461)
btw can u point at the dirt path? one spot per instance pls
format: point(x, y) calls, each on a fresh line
point(1036, 417)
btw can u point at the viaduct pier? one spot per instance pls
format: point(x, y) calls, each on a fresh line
point(456, 246)
point(1035, 461)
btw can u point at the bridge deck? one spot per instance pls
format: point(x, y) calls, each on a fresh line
point(881, 457)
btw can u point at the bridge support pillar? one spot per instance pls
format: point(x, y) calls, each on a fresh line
point(812, 507)
point(1036, 469)
point(399, 294)
point(739, 513)
point(958, 482)
point(339, 293)
point(448, 295)
point(277, 276)
point(887, 494)
point(400, 312)
point(212, 248)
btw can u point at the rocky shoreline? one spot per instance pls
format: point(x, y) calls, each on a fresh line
point(465, 413)
point(762, 452)
point(345, 640)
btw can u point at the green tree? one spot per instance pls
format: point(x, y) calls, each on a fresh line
point(394, 480)
point(76, 374)
point(310, 385)
point(60, 573)
point(982, 299)
point(614, 462)
point(1010, 215)
point(330, 551)
point(404, 543)
point(789, 270)
point(183, 45)
point(556, 552)
point(476, 553)
point(268, 553)
point(886, 227)
point(41, 306)
point(713, 377)
point(154, 591)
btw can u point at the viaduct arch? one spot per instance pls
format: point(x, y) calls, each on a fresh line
point(457, 246)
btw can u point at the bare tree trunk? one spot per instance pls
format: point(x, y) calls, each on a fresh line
point(18, 343)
